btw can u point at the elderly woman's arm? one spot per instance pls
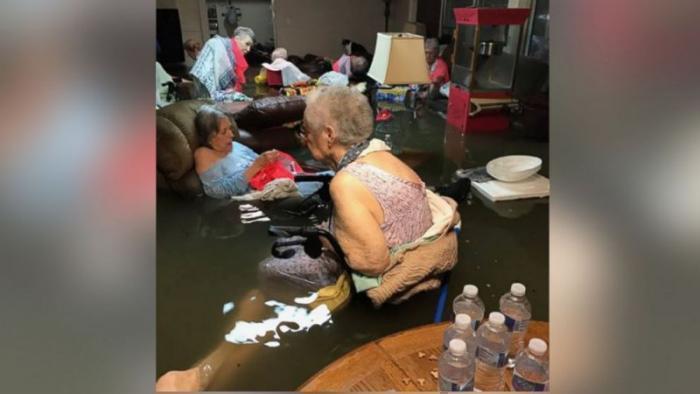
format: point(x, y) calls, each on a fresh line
point(235, 181)
point(356, 227)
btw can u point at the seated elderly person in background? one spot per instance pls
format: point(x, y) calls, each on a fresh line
point(351, 50)
point(278, 53)
point(220, 68)
point(380, 204)
point(281, 72)
point(224, 166)
point(192, 48)
point(359, 66)
point(439, 72)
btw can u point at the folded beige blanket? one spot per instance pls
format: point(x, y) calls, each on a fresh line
point(274, 190)
point(419, 268)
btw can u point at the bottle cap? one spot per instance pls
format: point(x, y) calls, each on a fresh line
point(458, 347)
point(470, 291)
point(463, 321)
point(497, 318)
point(517, 289)
point(537, 346)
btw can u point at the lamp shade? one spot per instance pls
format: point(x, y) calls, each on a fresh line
point(399, 59)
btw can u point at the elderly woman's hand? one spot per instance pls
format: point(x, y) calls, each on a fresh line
point(263, 160)
point(268, 157)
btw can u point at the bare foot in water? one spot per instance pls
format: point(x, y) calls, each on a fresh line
point(225, 359)
point(188, 380)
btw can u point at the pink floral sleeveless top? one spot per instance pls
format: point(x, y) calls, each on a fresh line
point(406, 211)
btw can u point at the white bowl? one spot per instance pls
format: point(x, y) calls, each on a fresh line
point(513, 168)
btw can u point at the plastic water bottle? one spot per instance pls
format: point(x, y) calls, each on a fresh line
point(469, 302)
point(461, 329)
point(517, 310)
point(492, 339)
point(531, 371)
point(456, 368)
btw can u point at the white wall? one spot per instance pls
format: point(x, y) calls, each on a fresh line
point(256, 14)
point(400, 13)
point(318, 26)
point(301, 26)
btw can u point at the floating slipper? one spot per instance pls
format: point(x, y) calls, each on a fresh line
point(263, 219)
point(247, 208)
point(252, 215)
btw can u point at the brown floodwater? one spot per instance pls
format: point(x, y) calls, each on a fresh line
point(207, 259)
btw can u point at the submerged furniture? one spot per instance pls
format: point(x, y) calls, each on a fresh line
point(260, 126)
point(311, 241)
point(400, 362)
point(320, 199)
point(487, 48)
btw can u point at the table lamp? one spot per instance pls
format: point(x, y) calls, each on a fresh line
point(399, 59)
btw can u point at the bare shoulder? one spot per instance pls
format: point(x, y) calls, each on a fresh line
point(346, 188)
point(393, 165)
point(203, 159)
point(383, 160)
point(201, 152)
point(352, 197)
point(343, 183)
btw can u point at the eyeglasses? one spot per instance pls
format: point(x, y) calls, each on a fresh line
point(302, 132)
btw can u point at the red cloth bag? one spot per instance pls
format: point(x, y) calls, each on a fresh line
point(274, 78)
point(284, 167)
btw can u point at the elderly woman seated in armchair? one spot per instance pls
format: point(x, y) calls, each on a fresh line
point(226, 167)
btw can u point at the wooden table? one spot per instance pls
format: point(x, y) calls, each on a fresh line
point(400, 362)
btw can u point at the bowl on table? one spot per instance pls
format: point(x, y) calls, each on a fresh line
point(513, 168)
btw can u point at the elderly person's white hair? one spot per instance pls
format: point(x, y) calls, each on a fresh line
point(358, 65)
point(432, 44)
point(279, 53)
point(244, 31)
point(346, 109)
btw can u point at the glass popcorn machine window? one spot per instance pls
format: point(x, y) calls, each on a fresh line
point(485, 56)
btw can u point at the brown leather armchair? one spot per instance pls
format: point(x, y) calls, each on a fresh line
point(258, 125)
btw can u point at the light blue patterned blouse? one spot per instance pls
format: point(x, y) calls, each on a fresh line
point(226, 177)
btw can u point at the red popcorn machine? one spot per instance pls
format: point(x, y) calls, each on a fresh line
point(487, 47)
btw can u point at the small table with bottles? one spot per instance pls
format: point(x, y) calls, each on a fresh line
point(405, 361)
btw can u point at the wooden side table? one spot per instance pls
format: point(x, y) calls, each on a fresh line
point(400, 362)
